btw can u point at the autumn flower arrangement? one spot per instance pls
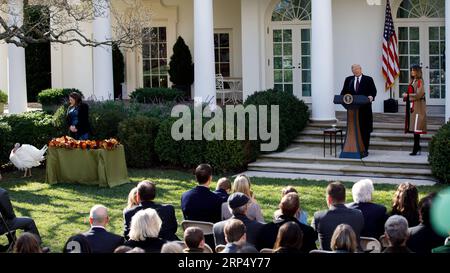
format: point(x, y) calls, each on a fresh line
point(70, 143)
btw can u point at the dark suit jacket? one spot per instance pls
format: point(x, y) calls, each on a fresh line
point(367, 88)
point(222, 194)
point(150, 245)
point(6, 209)
point(397, 250)
point(325, 222)
point(422, 239)
point(374, 218)
point(269, 232)
point(102, 241)
point(165, 212)
point(201, 204)
point(253, 229)
point(83, 125)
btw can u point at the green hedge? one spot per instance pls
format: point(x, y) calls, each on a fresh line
point(138, 135)
point(157, 95)
point(5, 142)
point(35, 128)
point(3, 97)
point(439, 154)
point(294, 114)
point(52, 98)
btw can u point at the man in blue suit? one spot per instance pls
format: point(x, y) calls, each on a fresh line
point(200, 203)
point(146, 193)
point(100, 240)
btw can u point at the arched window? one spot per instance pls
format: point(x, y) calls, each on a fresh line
point(289, 10)
point(421, 8)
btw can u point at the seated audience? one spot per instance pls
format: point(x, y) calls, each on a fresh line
point(405, 203)
point(27, 243)
point(247, 248)
point(325, 222)
point(14, 223)
point(146, 193)
point(374, 215)
point(194, 240)
point(122, 249)
point(289, 239)
point(172, 247)
point(144, 231)
point(242, 184)
point(238, 204)
point(302, 215)
point(223, 188)
point(344, 240)
point(289, 206)
point(77, 244)
point(132, 199)
point(396, 232)
point(100, 240)
point(200, 203)
point(235, 236)
point(423, 238)
point(136, 250)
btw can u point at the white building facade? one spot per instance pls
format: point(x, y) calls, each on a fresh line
point(305, 47)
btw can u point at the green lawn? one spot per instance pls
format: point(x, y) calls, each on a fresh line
point(63, 210)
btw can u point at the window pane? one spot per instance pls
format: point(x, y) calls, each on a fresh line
point(306, 49)
point(146, 66)
point(306, 76)
point(404, 76)
point(277, 49)
point(403, 33)
point(216, 40)
point(278, 76)
point(288, 88)
point(306, 90)
point(435, 77)
point(287, 49)
point(163, 50)
point(306, 35)
point(414, 33)
point(442, 33)
point(155, 81)
point(146, 51)
point(154, 50)
point(288, 76)
point(306, 62)
point(404, 62)
point(225, 55)
point(278, 87)
point(414, 48)
point(277, 63)
point(147, 82)
point(403, 48)
point(287, 62)
point(225, 69)
point(224, 40)
point(435, 91)
point(434, 62)
point(287, 35)
point(162, 34)
point(434, 33)
point(414, 60)
point(277, 36)
point(216, 55)
point(434, 48)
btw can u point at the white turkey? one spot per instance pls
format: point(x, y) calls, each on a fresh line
point(25, 157)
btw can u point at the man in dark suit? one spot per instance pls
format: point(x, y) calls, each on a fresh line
point(146, 193)
point(100, 240)
point(360, 84)
point(13, 222)
point(325, 222)
point(374, 215)
point(423, 238)
point(200, 203)
point(238, 203)
point(289, 205)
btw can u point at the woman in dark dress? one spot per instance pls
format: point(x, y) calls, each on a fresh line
point(289, 239)
point(406, 203)
point(78, 117)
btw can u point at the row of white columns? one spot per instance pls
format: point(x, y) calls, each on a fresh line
point(102, 58)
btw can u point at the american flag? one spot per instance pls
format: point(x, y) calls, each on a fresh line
point(391, 68)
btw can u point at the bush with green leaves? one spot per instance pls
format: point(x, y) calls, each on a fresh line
point(157, 95)
point(5, 142)
point(3, 97)
point(293, 116)
point(51, 99)
point(138, 135)
point(439, 154)
point(34, 128)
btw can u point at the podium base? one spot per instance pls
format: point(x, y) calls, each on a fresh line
point(352, 155)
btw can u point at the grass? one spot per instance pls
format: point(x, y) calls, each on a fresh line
point(62, 210)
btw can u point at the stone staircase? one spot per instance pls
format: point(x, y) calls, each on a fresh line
point(388, 160)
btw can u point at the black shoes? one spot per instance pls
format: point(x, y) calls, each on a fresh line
point(416, 152)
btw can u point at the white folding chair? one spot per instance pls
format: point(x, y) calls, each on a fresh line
point(206, 227)
point(266, 250)
point(220, 248)
point(220, 88)
point(370, 245)
point(316, 251)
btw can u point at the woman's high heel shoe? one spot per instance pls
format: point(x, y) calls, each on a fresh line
point(416, 152)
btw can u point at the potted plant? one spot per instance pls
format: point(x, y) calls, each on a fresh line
point(181, 68)
point(3, 101)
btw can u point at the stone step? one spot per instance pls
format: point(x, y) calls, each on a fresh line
point(378, 127)
point(374, 145)
point(340, 169)
point(376, 136)
point(374, 160)
point(432, 118)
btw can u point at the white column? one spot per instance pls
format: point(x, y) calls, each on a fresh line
point(205, 83)
point(102, 55)
point(447, 60)
point(16, 72)
point(323, 108)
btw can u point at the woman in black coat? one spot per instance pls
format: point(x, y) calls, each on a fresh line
point(78, 118)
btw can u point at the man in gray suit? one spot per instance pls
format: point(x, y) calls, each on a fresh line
point(238, 203)
point(325, 222)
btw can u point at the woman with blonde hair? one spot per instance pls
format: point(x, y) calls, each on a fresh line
point(145, 227)
point(132, 199)
point(242, 184)
point(344, 239)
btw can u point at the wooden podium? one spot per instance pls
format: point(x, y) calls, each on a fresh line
point(353, 146)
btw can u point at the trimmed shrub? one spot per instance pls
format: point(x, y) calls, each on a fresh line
point(3, 97)
point(138, 135)
point(51, 99)
point(294, 113)
point(439, 154)
point(181, 68)
point(105, 118)
point(34, 128)
point(157, 95)
point(5, 142)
